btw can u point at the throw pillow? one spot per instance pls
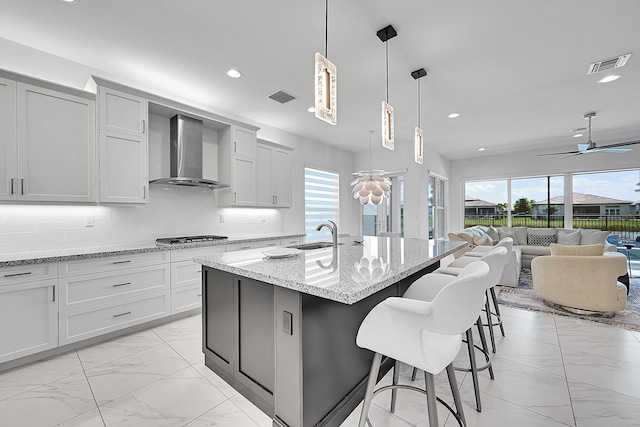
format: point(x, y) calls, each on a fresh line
point(581, 250)
point(589, 237)
point(493, 233)
point(507, 232)
point(568, 238)
point(540, 239)
point(467, 236)
point(482, 241)
point(521, 235)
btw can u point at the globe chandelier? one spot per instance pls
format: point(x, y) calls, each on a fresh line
point(372, 186)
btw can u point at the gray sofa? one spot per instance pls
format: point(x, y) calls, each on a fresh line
point(528, 243)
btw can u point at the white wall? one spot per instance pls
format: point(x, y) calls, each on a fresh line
point(171, 212)
point(527, 164)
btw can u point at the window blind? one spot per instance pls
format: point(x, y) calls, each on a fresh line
point(321, 201)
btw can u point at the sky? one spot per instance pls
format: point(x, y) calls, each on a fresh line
point(616, 185)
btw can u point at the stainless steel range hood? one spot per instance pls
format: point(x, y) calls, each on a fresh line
point(185, 155)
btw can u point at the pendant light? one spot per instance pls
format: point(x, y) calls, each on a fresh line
point(385, 35)
point(418, 134)
point(326, 80)
point(372, 186)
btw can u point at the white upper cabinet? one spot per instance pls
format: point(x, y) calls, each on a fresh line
point(56, 145)
point(237, 166)
point(121, 112)
point(273, 177)
point(123, 152)
point(8, 142)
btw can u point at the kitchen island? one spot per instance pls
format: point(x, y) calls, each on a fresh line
point(282, 331)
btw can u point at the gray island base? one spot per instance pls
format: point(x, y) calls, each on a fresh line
point(282, 331)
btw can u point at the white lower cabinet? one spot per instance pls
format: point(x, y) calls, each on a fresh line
point(254, 245)
point(186, 277)
point(28, 311)
point(106, 294)
point(91, 321)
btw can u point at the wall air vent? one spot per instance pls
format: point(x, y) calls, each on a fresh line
point(282, 97)
point(609, 64)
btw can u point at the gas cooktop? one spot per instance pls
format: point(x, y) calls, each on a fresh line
point(188, 239)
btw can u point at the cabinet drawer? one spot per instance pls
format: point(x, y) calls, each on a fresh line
point(188, 254)
point(28, 273)
point(110, 263)
point(254, 245)
point(87, 322)
point(186, 298)
point(291, 241)
point(88, 289)
point(185, 273)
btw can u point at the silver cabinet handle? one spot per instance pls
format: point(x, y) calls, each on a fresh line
point(199, 295)
point(21, 185)
point(121, 284)
point(234, 197)
point(144, 126)
point(121, 314)
point(122, 262)
point(272, 244)
point(234, 146)
point(144, 191)
point(17, 274)
point(12, 191)
point(54, 294)
point(276, 199)
point(245, 247)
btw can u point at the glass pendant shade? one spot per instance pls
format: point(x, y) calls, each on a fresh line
point(419, 145)
point(326, 81)
point(387, 126)
point(371, 187)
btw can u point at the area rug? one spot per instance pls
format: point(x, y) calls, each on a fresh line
point(524, 297)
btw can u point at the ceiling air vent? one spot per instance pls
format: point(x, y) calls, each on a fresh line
point(609, 64)
point(282, 97)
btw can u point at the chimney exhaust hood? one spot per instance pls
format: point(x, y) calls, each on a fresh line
point(185, 156)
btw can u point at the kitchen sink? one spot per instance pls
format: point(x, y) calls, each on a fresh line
point(314, 245)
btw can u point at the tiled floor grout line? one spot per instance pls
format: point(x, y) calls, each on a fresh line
point(566, 376)
point(84, 372)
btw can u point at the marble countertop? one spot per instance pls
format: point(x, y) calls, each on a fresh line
point(55, 255)
point(347, 275)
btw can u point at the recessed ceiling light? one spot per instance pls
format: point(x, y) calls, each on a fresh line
point(481, 149)
point(454, 115)
point(70, 1)
point(234, 73)
point(609, 78)
point(576, 135)
point(311, 109)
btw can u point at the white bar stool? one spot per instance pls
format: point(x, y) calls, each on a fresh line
point(424, 334)
point(496, 259)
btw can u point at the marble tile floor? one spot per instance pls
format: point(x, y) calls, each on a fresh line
point(551, 371)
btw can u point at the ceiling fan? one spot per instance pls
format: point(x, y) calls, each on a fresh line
point(590, 146)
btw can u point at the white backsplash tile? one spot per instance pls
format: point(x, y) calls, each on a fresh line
point(170, 212)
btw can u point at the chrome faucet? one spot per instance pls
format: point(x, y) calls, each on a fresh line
point(334, 231)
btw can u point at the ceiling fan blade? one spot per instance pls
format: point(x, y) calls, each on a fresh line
point(620, 144)
point(583, 148)
point(562, 152)
point(609, 150)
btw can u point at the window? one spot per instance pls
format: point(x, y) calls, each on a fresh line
point(321, 201)
point(486, 203)
point(436, 208)
point(537, 202)
point(388, 215)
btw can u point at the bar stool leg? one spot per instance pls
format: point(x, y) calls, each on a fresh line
point(431, 399)
point(485, 348)
point(474, 371)
point(394, 391)
point(497, 308)
point(413, 374)
point(371, 385)
point(487, 309)
point(451, 374)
